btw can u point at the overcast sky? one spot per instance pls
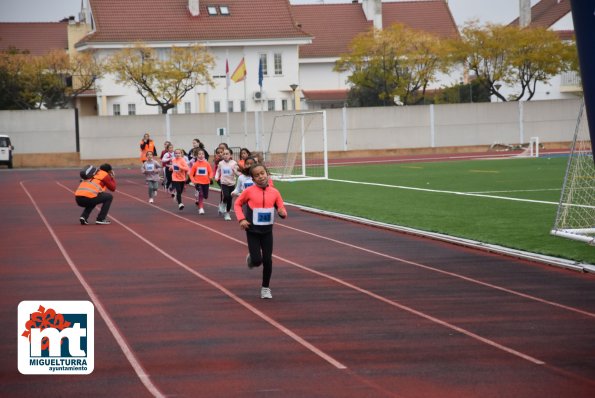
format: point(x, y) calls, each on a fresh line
point(496, 11)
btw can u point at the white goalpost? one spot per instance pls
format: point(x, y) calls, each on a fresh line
point(297, 149)
point(575, 218)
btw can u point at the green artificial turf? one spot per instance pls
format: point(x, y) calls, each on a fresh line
point(438, 206)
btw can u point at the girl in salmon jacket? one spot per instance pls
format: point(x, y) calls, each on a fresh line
point(257, 219)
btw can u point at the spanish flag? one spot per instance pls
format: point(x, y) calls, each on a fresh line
point(240, 73)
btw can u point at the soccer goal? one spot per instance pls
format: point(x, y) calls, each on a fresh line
point(297, 148)
point(575, 218)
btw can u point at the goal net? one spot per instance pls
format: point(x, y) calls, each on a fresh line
point(297, 148)
point(576, 211)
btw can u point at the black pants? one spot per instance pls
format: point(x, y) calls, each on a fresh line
point(226, 190)
point(90, 203)
point(260, 247)
point(167, 178)
point(179, 188)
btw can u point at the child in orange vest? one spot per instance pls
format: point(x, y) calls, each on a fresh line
point(201, 175)
point(179, 169)
point(257, 219)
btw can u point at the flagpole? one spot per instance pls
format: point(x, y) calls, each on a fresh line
point(227, 96)
point(245, 104)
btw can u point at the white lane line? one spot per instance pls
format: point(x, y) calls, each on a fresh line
point(455, 275)
point(111, 325)
point(443, 191)
point(227, 292)
point(364, 291)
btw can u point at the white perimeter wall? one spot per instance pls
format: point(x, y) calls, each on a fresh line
point(115, 137)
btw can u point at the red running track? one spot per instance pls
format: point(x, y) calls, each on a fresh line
point(357, 311)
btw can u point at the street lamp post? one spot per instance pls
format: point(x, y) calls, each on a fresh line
point(497, 86)
point(293, 88)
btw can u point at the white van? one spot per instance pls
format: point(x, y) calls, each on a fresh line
point(6, 149)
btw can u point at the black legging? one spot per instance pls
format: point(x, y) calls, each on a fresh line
point(90, 203)
point(179, 187)
point(260, 246)
point(167, 174)
point(226, 190)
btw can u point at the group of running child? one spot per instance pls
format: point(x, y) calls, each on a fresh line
point(247, 180)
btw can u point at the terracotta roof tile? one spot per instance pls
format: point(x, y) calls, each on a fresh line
point(335, 25)
point(170, 20)
point(37, 37)
point(547, 12)
point(326, 95)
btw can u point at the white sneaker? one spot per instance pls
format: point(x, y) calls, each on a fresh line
point(201, 211)
point(265, 293)
point(221, 208)
point(227, 217)
point(181, 206)
point(151, 200)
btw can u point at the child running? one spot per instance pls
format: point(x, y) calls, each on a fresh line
point(245, 179)
point(150, 169)
point(226, 173)
point(166, 160)
point(201, 175)
point(261, 200)
point(179, 169)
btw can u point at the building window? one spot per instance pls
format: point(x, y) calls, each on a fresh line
point(271, 105)
point(263, 63)
point(278, 64)
point(230, 106)
point(212, 10)
point(174, 110)
point(224, 10)
point(132, 109)
point(217, 106)
point(116, 108)
point(284, 105)
point(187, 107)
point(242, 106)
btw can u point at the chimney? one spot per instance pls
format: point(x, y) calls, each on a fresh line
point(193, 7)
point(373, 12)
point(524, 13)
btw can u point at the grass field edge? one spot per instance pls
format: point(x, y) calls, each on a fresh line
point(540, 258)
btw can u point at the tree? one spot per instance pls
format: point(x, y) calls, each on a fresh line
point(392, 65)
point(65, 77)
point(51, 80)
point(162, 80)
point(508, 55)
point(14, 93)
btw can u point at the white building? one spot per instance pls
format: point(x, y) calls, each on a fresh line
point(296, 44)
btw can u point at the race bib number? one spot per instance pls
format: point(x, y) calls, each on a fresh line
point(150, 167)
point(226, 171)
point(262, 216)
point(201, 171)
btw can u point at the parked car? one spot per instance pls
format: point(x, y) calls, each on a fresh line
point(6, 149)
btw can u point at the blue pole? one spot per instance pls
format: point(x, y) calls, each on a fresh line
point(583, 17)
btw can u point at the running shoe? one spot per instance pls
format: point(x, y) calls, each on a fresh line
point(227, 217)
point(201, 211)
point(103, 222)
point(265, 293)
point(151, 200)
point(83, 221)
point(181, 206)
